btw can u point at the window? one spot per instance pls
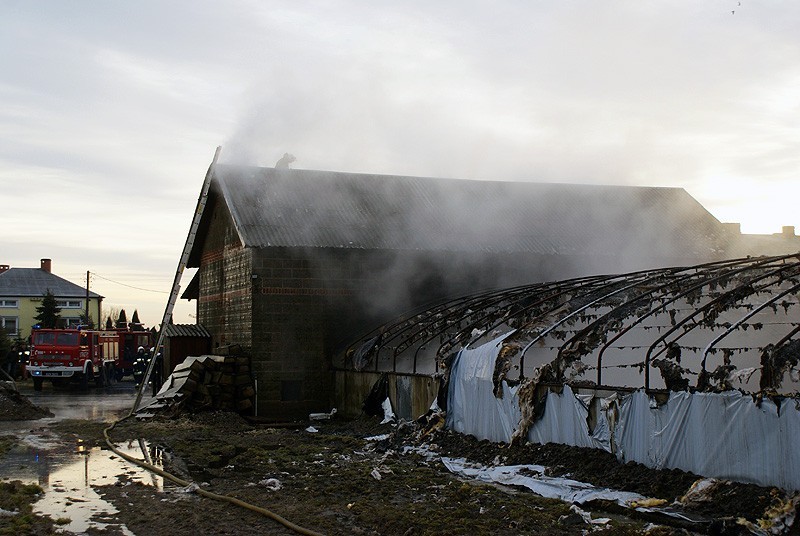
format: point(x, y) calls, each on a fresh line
point(73, 322)
point(67, 339)
point(9, 323)
point(44, 338)
point(9, 303)
point(69, 304)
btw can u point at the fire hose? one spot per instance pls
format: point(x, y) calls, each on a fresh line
point(205, 493)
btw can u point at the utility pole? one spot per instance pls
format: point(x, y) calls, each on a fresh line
point(87, 298)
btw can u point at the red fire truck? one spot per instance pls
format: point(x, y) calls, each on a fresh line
point(63, 355)
point(121, 345)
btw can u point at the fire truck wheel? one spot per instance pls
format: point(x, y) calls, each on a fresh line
point(37, 384)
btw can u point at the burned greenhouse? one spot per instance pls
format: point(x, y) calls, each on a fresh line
point(692, 367)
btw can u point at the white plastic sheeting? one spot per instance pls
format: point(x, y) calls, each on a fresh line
point(533, 478)
point(473, 408)
point(722, 435)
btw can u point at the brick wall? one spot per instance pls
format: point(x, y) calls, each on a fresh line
point(225, 304)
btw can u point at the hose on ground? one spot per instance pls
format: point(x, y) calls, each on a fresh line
point(224, 498)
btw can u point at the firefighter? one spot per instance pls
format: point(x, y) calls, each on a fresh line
point(156, 375)
point(140, 365)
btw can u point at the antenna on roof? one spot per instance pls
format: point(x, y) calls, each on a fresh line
point(285, 160)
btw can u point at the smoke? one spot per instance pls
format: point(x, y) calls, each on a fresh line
point(395, 243)
point(550, 94)
point(581, 93)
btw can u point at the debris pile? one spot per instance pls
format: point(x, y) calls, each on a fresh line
point(16, 407)
point(207, 382)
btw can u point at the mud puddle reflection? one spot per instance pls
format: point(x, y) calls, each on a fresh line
point(67, 473)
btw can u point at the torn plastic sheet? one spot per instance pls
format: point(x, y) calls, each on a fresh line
point(388, 412)
point(379, 437)
point(473, 409)
point(533, 478)
point(724, 435)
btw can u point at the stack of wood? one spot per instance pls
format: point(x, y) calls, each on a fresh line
point(206, 382)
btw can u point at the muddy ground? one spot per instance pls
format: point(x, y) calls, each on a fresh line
point(334, 481)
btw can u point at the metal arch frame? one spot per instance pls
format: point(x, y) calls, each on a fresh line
point(493, 302)
point(557, 286)
point(662, 307)
point(542, 334)
point(419, 332)
point(591, 327)
point(707, 306)
point(555, 304)
point(408, 320)
point(453, 340)
point(742, 320)
point(584, 282)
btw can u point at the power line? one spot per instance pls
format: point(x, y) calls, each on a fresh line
point(95, 274)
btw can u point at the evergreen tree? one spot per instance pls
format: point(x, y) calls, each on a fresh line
point(86, 320)
point(122, 321)
point(135, 324)
point(48, 312)
point(109, 323)
point(6, 344)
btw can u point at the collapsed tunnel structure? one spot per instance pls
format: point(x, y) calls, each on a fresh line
point(686, 367)
point(713, 326)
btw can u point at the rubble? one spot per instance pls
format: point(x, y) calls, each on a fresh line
point(208, 382)
point(16, 407)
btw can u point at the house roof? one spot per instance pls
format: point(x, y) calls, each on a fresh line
point(35, 282)
point(305, 208)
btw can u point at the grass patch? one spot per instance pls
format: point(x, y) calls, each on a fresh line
point(19, 498)
point(6, 444)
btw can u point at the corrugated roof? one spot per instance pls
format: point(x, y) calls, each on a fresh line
point(35, 282)
point(305, 208)
point(186, 330)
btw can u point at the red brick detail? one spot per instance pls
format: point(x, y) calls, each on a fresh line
point(218, 255)
point(280, 291)
point(211, 256)
point(217, 296)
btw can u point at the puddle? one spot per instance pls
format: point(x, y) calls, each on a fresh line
point(68, 474)
point(67, 471)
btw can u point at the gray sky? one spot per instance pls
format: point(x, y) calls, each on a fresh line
point(111, 110)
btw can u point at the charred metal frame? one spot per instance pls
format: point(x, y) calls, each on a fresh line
point(532, 312)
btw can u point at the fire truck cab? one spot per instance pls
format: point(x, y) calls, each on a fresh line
point(63, 355)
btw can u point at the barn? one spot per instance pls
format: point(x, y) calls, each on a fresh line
point(294, 265)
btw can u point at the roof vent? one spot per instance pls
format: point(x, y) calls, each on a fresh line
point(47, 265)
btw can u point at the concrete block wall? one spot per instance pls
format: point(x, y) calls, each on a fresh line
point(288, 326)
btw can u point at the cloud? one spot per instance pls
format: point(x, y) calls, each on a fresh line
point(111, 112)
